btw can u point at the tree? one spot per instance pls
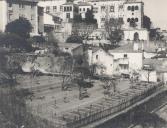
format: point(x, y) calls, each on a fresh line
point(148, 70)
point(146, 22)
point(14, 42)
point(77, 18)
point(113, 29)
point(74, 39)
point(21, 27)
point(89, 17)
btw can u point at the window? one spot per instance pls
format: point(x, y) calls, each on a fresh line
point(88, 9)
point(47, 9)
point(95, 10)
point(120, 7)
point(54, 8)
point(67, 15)
point(10, 16)
point(32, 17)
point(125, 55)
point(129, 7)
point(21, 5)
point(97, 57)
point(128, 20)
point(136, 19)
point(32, 30)
point(61, 8)
point(136, 8)
point(102, 8)
point(70, 8)
point(10, 4)
point(102, 19)
point(133, 8)
point(83, 9)
point(111, 8)
point(32, 6)
point(65, 9)
point(80, 9)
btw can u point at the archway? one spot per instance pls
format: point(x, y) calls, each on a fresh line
point(136, 36)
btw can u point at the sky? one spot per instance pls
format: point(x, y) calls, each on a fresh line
point(157, 11)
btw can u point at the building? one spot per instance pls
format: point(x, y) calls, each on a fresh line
point(52, 6)
point(159, 73)
point(122, 60)
point(102, 61)
point(71, 48)
point(106, 9)
point(127, 59)
point(69, 11)
point(3, 15)
point(23, 8)
point(83, 8)
point(131, 11)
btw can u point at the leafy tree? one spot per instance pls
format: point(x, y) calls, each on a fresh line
point(21, 27)
point(146, 22)
point(77, 19)
point(113, 29)
point(15, 42)
point(74, 39)
point(89, 17)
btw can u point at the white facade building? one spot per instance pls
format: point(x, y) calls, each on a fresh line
point(83, 8)
point(131, 12)
point(118, 61)
point(69, 11)
point(104, 61)
point(3, 15)
point(52, 6)
point(106, 9)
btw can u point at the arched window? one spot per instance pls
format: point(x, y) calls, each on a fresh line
point(133, 8)
point(129, 7)
point(136, 8)
point(128, 20)
point(136, 19)
point(136, 36)
point(132, 19)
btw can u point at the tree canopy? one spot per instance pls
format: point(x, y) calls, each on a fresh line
point(74, 39)
point(146, 22)
point(14, 42)
point(89, 17)
point(113, 29)
point(21, 27)
point(77, 19)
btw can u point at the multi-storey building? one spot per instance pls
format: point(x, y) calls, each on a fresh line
point(131, 12)
point(69, 11)
point(83, 8)
point(13, 9)
point(105, 9)
point(3, 15)
point(52, 6)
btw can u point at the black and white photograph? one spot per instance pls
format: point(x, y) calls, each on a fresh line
point(83, 63)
